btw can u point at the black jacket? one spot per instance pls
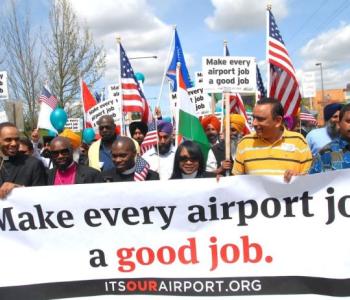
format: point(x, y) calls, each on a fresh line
point(23, 170)
point(84, 174)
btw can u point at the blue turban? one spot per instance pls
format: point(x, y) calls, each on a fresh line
point(164, 126)
point(330, 109)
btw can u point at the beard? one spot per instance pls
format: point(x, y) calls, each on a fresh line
point(164, 148)
point(234, 141)
point(332, 130)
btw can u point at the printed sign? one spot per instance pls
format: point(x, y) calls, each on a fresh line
point(200, 100)
point(107, 107)
point(235, 73)
point(74, 124)
point(3, 85)
point(114, 93)
point(309, 84)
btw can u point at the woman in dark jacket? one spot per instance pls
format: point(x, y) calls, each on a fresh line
point(189, 162)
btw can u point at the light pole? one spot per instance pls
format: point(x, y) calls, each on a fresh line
point(320, 65)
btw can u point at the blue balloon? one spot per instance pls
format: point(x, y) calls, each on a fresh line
point(140, 77)
point(88, 135)
point(167, 119)
point(51, 133)
point(218, 107)
point(58, 119)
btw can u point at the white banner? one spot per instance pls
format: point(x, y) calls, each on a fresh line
point(243, 235)
point(3, 85)
point(74, 124)
point(107, 107)
point(236, 73)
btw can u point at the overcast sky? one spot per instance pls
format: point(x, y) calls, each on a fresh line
point(313, 31)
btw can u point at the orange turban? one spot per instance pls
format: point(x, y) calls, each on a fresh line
point(212, 120)
point(238, 122)
point(74, 138)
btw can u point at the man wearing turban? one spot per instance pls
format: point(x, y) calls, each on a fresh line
point(138, 131)
point(319, 137)
point(211, 125)
point(161, 157)
point(216, 157)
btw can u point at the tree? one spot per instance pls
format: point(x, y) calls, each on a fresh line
point(70, 54)
point(22, 61)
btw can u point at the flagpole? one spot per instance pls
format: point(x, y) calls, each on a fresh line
point(177, 117)
point(122, 129)
point(82, 101)
point(222, 94)
point(226, 93)
point(269, 6)
point(166, 66)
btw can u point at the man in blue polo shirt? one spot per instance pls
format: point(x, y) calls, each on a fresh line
point(336, 154)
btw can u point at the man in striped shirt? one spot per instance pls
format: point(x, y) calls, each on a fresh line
point(272, 149)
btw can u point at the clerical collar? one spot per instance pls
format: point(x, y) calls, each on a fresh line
point(189, 176)
point(71, 166)
point(130, 171)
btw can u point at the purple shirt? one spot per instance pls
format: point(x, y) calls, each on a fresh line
point(66, 176)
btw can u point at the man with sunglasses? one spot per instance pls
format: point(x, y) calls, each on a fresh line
point(17, 169)
point(100, 156)
point(65, 170)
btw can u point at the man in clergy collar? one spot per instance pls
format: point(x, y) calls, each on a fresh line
point(66, 170)
point(16, 169)
point(128, 166)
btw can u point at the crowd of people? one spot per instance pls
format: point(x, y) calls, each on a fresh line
point(271, 149)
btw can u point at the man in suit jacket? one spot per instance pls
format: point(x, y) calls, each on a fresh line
point(66, 170)
point(128, 166)
point(17, 169)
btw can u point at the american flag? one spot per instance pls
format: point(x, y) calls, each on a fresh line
point(151, 137)
point(260, 84)
point(47, 98)
point(308, 117)
point(141, 169)
point(132, 95)
point(283, 83)
point(237, 107)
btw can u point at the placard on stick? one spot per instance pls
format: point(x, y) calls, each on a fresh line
point(234, 72)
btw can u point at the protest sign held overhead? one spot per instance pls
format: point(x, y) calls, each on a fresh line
point(74, 124)
point(200, 100)
point(236, 73)
point(3, 85)
point(107, 107)
point(114, 93)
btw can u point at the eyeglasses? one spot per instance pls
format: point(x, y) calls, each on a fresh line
point(187, 158)
point(63, 152)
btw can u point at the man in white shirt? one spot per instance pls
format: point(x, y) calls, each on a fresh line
point(163, 162)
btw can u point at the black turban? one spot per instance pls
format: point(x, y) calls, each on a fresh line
point(138, 125)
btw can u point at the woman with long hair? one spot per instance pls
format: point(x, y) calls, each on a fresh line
point(189, 162)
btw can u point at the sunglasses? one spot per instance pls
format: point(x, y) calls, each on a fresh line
point(187, 158)
point(63, 152)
